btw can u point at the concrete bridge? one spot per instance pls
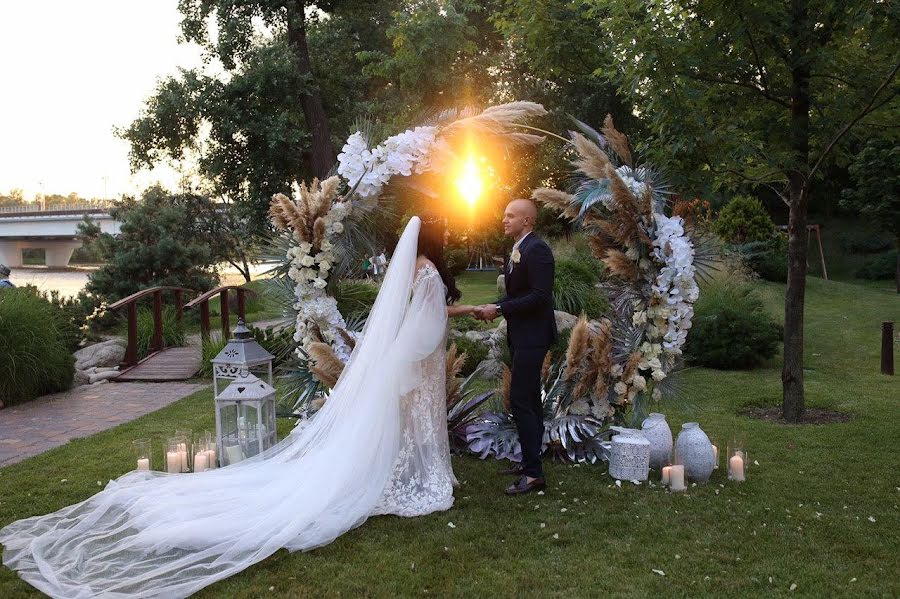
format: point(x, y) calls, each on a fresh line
point(54, 230)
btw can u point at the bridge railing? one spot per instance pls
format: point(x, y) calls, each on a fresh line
point(202, 302)
point(36, 207)
point(130, 302)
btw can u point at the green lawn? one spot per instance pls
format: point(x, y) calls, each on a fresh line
point(820, 510)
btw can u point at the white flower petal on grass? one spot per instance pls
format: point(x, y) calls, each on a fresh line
point(793, 586)
point(871, 518)
point(618, 483)
point(556, 535)
point(451, 525)
point(660, 572)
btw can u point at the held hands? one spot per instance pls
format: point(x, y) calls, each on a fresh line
point(486, 312)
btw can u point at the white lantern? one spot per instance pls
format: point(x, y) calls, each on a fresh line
point(245, 418)
point(242, 352)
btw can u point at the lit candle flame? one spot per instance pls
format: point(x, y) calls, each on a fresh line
point(469, 182)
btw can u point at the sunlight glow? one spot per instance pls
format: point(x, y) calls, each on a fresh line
point(470, 183)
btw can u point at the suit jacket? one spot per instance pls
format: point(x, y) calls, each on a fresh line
point(528, 305)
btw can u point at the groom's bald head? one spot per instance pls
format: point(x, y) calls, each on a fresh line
point(519, 218)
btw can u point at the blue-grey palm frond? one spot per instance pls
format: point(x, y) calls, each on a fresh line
point(589, 132)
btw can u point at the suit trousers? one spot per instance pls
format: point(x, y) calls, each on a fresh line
point(525, 403)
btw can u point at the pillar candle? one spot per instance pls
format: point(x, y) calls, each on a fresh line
point(715, 457)
point(736, 468)
point(173, 462)
point(676, 478)
point(210, 458)
point(200, 461)
point(666, 474)
point(143, 464)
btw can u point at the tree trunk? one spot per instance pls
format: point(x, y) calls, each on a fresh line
point(897, 268)
point(792, 373)
point(322, 157)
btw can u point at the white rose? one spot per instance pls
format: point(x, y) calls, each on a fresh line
point(621, 388)
point(325, 266)
point(319, 283)
point(307, 261)
point(337, 228)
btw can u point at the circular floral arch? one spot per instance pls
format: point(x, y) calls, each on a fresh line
point(617, 363)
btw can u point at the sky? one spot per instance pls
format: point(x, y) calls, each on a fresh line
point(71, 71)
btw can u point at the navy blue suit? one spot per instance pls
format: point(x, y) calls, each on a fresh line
point(530, 331)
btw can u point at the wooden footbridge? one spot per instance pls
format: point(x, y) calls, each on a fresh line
point(172, 363)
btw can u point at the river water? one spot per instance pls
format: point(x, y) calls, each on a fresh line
point(69, 281)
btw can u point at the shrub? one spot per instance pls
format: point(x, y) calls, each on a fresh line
point(355, 298)
point(575, 288)
point(731, 329)
point(768, 259)
point(743, 220)
point(865, 243)
point(172, 331)
point(209, 349)
point(33, 350)
point(880, 267)
point(457, 260)
point(475, 352)
point(71, 315)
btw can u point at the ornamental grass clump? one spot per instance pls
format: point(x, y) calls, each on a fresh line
point(34, 355)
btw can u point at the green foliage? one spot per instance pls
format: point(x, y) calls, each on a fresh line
point(575, 288)
point(744, 220)
point(209, 349)
point(768, 259)
point(172, 331)
point(34, 348)
point(876, 179)
point(165, 240)
point(880, 267)
point(475, 351)
point(865, 243)
point(731, 328)
point(355, 298)
point(457, 259)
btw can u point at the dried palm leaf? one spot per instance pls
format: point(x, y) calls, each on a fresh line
point(497, 120)
point(631, 366)
point(621, 265)
point(505, 386)
point(556, 200)
point(328, 193)
point(347, 337)
point(592, 161)
point(454, 363)
point(276, 213)
point(616, 140)
point(578, 346)
point(319, 231)
point(325, 365)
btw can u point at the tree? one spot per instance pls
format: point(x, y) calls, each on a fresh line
point(876, 178)
point(164, 240)
point(760, 94)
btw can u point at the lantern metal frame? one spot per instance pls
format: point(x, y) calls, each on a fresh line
point(246, 391)
point(241, 352)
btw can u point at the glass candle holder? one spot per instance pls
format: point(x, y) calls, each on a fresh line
point(738, 461)
point(212, 453)
point(676, 474)
point(715, 448)
point(186, 439)
point(173, 455)
point(665, 476)
point(142, 454)
point(200, 458)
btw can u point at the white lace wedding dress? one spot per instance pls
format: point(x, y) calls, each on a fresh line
point(378, 446)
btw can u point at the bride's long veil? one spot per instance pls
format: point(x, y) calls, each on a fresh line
point(159, 535)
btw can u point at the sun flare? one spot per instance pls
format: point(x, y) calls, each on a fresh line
point(470, 183)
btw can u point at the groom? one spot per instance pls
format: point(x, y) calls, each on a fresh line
point(531, 330)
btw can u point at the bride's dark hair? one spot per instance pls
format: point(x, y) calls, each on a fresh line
point(431, 245)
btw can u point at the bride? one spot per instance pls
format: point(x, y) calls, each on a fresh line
point(379, 445)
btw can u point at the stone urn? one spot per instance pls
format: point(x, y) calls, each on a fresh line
point(657, 431)
point(695, 452)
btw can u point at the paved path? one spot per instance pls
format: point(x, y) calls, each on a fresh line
point(53, 420)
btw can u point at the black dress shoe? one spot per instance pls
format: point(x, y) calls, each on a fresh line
point(522, 486)
point(515, 470)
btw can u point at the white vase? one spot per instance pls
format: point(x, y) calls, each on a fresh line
point(695, 452)
point(657, 431)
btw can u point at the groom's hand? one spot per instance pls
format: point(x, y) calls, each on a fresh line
point(487, 312)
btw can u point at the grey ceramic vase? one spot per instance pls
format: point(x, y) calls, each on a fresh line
point(657, 431)
point(695, 452)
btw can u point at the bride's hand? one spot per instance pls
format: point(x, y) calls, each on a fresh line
point(460, 310)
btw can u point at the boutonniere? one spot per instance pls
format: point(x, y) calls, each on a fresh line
point(515, 256)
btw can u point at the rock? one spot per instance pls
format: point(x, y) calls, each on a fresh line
point(103, 376)
point(501, 286)
point(478, 336)
point(106, 369)
point(456, 334)
point(105, 353)
point(490, 368)
point(81, 378)
point(564, 320)
point(100, 382)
